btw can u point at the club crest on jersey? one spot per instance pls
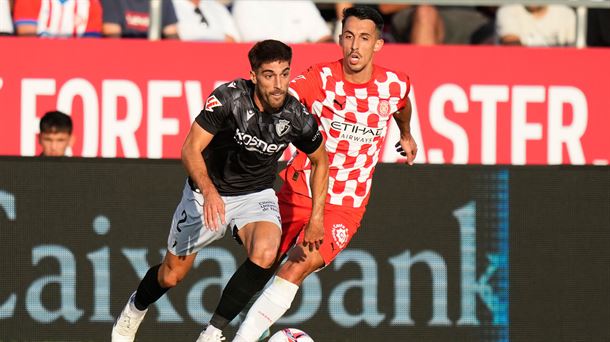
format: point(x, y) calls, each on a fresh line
point(340, 234)
point(212, 102)
point(282, 127)
point(383, 108)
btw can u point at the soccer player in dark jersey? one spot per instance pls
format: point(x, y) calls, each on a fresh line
point(231, 155)
point(353, 99)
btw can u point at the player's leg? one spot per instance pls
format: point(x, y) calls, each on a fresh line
point(158, 280)
point(258, 228)
point(294, 215)
point(339, 227)
point(278, 296)
point(186, 227)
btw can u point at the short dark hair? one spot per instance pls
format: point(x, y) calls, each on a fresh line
point(55, 121)
point(267, 51)
point(362, 13)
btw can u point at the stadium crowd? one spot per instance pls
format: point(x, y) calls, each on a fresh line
point(300, 21)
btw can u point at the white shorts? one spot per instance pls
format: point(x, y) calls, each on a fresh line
point(188, 233)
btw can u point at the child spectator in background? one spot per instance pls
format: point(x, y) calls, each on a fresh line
point(55, 134)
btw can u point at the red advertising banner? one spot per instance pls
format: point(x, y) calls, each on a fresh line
point(471, 105)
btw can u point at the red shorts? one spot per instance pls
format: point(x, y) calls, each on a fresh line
point(340, 223)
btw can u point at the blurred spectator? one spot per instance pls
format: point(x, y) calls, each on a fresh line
point(6, 22)
point(430, 25)
point(598, 27)
point(55, 134)
point(297, 21)
point(552, 25)
point(207, 20)
point(131, 19)
point(58, 18)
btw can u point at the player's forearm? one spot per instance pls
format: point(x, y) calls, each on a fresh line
point(319, 186)
point(403, 120)
point(195, 166)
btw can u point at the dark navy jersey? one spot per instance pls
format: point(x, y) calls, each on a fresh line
point(242, 157)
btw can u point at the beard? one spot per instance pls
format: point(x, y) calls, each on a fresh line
point(271, 102)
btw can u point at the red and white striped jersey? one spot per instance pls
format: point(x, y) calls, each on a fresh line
point(60, 18)
point(354, 120)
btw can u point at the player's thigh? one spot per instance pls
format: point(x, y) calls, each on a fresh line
point(188, 233)
point(255, 218)
point(300, 263)
point(262, 237)
point(340, 226)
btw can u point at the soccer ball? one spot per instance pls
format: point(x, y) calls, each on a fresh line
point(290, 335)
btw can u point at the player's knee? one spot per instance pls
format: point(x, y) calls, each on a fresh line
point(264, 256)
point(297, 268)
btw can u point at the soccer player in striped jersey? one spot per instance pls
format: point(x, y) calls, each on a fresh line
point(353, 100)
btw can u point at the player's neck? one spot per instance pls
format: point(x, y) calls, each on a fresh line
point(358, 77)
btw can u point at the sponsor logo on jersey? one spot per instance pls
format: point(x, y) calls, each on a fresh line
point(249, 114)
point(282, 127)
point(255, 144)
point(383, 108)
point(340, 234)
point(232, 85)
point(212, 102)
point(356, 133)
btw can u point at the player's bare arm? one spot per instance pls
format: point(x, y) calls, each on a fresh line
point(407, 145)
point(213, 205)
point(314, 231)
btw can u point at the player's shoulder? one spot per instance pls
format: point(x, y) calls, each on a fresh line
point(384, 72)
point(319, 68)
point(226, 94)
point(295, 109)
point(233, 90)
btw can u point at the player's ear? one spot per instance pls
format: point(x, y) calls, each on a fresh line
point(378, 45)
point(253, 76)
point(72, 140)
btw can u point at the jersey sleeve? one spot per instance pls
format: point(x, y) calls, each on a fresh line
point(306, 86)
point(310, 138)
point(94, 22)
point(169, 14)
point(111, 13)
point(215, 111)
point(402, 102)
point(26, 12)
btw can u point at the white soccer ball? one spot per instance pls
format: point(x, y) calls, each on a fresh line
point(290, 335)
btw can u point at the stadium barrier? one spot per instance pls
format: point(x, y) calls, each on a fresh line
point(446, 253)
point(472, 105)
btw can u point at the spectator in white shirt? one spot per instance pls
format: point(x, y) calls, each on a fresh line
point(295, 21)
point(552, 25)
point(6, 22)
point(205, 20)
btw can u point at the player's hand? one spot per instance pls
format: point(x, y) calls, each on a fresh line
point(213, 210)
point(314, 234)
point(407, 147)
